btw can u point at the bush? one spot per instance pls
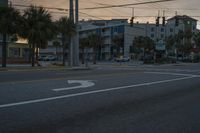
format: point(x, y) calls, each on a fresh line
point(196, 58)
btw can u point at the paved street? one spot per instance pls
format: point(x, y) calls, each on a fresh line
point(105, 99)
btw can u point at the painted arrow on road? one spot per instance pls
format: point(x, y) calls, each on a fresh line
point(83, 84)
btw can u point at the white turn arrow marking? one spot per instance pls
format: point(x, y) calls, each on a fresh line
point(83, 84)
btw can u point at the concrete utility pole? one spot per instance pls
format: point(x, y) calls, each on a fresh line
point(76, 38)
point(74, 44)
point(71, 16)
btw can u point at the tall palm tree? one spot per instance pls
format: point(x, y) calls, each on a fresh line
point(67, 29)
point(9, 25)
point(38, 29)
point(95, 41)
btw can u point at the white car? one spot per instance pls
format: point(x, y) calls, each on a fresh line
point(50, 58)
point(122, 59)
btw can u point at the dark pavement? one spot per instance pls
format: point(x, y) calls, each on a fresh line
point(125, 99)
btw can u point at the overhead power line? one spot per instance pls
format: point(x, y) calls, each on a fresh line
point(26, 6)
point(123, 5)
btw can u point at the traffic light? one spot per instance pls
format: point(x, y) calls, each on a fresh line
point(176, 21)
point(131, 21)
point(163, 22)
point(157, 21)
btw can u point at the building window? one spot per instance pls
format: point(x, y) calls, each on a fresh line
point(115, 29)
point(171, 30)
point(152, 29)
point(152, 35)
point(162, 29)
point(162, 36)
point(14, 52)
point(194, 27)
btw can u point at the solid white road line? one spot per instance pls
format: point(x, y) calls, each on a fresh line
point(91, 92)
point(175, 74)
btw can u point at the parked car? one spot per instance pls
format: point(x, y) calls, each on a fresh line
point(42, 57)
point(47, 58)
point(122, 59)
point(50, 58)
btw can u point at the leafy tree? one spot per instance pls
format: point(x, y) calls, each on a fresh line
point(9, 25)
point(183, 42)
point(196, 38)
point(38, 29)
point(84, 43)
point(95, 41)
point(144, 42)
point(67, 29)
point(169, 42)
point(118, 41)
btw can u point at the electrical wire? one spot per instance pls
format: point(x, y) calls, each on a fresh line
point(122, 5)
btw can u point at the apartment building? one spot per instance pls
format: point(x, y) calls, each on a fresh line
point(108, 29)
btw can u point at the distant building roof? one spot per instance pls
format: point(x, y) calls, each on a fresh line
point(183, 17)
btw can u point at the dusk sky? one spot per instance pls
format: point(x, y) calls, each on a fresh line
point(145, 12)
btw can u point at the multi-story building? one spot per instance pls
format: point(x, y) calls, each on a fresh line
point(108, 29)
point(173, 26)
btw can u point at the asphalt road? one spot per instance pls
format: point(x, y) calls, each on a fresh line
point(121, 99)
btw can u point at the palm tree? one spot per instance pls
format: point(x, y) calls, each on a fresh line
point(145, 43)
point(67, 29)
point(118, 41)
point(9, 21)
point(170, 40)
point(38, 29)
point(84, 43)
point(95, 41)
point(57, 45)
point(183, 42)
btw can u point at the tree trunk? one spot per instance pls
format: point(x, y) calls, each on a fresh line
point(4, 51)
point(37, 52)
point(33, 55)
point(94, 57)
point(64, 49)
point(70, 52)
point(30, 54)
point(83, 55)
point(57, 52)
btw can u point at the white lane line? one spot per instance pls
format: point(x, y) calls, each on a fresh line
point(176, 70)
point(175, 74)
point(90, 92)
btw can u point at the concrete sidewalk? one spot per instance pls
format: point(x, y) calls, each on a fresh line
point(27, 67)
